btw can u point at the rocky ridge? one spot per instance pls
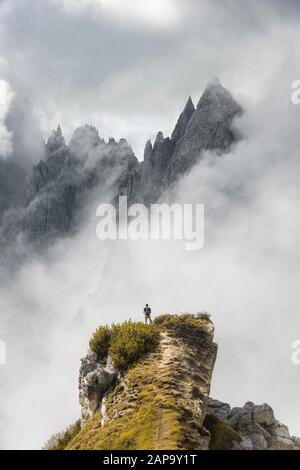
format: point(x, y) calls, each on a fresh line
point(167, 393)
point(63, 182)
point(163, 401)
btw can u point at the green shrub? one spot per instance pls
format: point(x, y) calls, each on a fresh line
point(100, 341)
point(130, 341)
point(126, 343)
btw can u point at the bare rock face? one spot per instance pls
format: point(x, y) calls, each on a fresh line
point(83, 141)
point(209, 127)
point(296, 441)
point(48, 170)
point(220, 409)
point(156, 161)
point(183, 120)
point(95, 379)
point(280, 437)
point(61, 184)
point(257, 426)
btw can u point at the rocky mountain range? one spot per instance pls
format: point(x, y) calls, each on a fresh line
point(162, 400)
point(48, 202)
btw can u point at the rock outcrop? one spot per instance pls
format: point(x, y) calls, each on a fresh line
point(156, 161)
point(62, 183)
point(95, 380)
point(256, 425)
point(160, 402)
point(209, 127)
point(183, 120)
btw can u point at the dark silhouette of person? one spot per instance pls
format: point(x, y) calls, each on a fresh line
point(147, 313)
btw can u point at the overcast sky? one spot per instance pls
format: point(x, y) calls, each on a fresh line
point(127, 66)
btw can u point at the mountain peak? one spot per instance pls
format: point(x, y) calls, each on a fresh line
point(214, 86)
point(56, 140)
point(148, 150)
point(83, 140)
point(183, 119)
point(215, 82)
point(159, 139)
point(217, 96)
point(189, 106)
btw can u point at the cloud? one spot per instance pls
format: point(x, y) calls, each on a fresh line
point(247, 277)
point(6, 96)
point(133, 80)
point(119, 72)
point(159, 13)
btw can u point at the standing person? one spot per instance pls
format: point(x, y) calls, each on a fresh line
point(147, 313)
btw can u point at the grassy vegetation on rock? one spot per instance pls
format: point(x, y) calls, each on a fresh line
point(126, 343)
point(185, 325)
point(144, 416)
point(149, 409)
point(177, 322)
point(153, 406)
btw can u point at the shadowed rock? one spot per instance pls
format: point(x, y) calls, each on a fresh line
point(257, 426)
point(183, 120)
point(208, 128)
point(61, 184)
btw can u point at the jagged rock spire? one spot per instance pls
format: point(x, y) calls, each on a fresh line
point(189, 107)
point(183, 120)
point(208, 128)
point(159, 139)
point(86, 135)
point(84, 139)
point(124, 146)
point(56, 140)
point(217, 96)
point(148, 150)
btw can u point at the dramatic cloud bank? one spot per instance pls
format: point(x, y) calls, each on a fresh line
point(110, 65)
point(6, 96)
point(157, 13)
point(130, 81)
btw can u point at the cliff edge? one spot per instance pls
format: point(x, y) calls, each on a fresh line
point(147, 387)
